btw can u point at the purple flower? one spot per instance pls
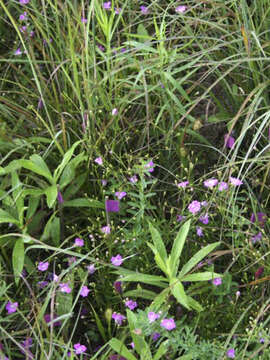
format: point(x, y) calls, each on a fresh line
point(79, 349)
point(150, 166)
point(204, 203)
point(99, 160)
point(217, 281)
point(18, 52)
point(194, 207)
point(210, 183)
point(152, 316)
point(49, 317)
point(118, 318)
point(101, 48)
point(259, 272)
point(168, 324)
point(222, 186)
point(260, 217)
point(60, 198)
point(107, 5)
point(262, 340)
point(42, 284)
point(83, 20)
point(43, 266)
point(65, 288)
point(120, 194)
point(106, 229)
point(84, 291)
point(24, 2)
point(199, 231)
point(23, 16)
point(256, 238)
point(112, 205)
point(11, 307)
point(235, 181)
point(180, 9)
point(79, 242)
point(155, 336)
point(180, 218)
point(229, 141)
point(26, 344)
point(183, 184)
point(117, 10)
point(71, 260)
point(118, 287)
point(117, 260)
point(91, 269)
point(104, 182)
point(23, 29)
point(131, 304)
point(230, 353)
point(133, 179)
point(114, 112)
point(144, 10)
point(204, 219)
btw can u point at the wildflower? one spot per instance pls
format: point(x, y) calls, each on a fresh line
point(262, 340)
point(83, 20)
point(180, 218)
point(230, 353)
point(155, 336)
point(23, 16)
point(133, 179)
point(26, 344)
point(222, 186)
point(204, 203)
point(144, 10)
point(114, 112)
point(104, 182)
point(117, 10)
point(235, 181)
point(106, 229)
point(256, 237)
point(84, 291)
point(168, 324)
point(18, 52)
point(259, 272)
point(229, 141)
point(260, 217)
point(118, 287)
point(204, 219)
point(42, 284)
point(199, 231)
point(43, 266)
point(112, 205)
point(180, 9)
point(107, 5)
point(131, 304)
point(101, 48)
point(117, 260)
point(152, 316)
point(65, 288)
point(23, 29)
point(150, 166)
point(120, 194)
point(91, 269)
point(123, 50)
point(79, 349)
point(210, 183)
point(24, 2)
point(79, 242)
point(183, 184)
point(51, 317)
point(194, 207)
point(55, 277)
point(118, 318)
point(99, 161)
point(11, 307)
point(60, 198)
point(217, 281)
point(237, 294)
point(71, 260)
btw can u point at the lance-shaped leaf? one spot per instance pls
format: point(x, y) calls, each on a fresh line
point(163, 348)
point(194, 304)
point(5, 217)
point(18, 259)
point(51, 194)
point(159, 245)
point(133, 276)
point(178, 292)
point(178, 247)
point(197, 258)
point(121, 349)
point(159, 261)
point(203, 276)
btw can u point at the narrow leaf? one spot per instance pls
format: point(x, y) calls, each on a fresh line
point(65, 160)
point(83, 202)
point(121, 349)
point(159, 245)
point(194, 304)
point(18, 259)
point(203, 276)
point(178, 292)
point(5, 217)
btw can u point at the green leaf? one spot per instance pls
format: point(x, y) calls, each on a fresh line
point(32, 206)
point(51, 194)
point(157, 240)
point(194, 304)
point(160, 299)
point(178, 292)
point(160, 263)
point(99, 325)
point(5, 217)
point(163, 348)
point(139, 277)
point(18, 259)
point(178, 247)
point(55, 231)
point(121, 349)
point(203, 276)
point(140, 293)
point(65, 161)
point(197, 258)
point(83, 202)
point(40, 167)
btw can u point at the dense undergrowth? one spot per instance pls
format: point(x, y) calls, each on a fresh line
point(134, 179)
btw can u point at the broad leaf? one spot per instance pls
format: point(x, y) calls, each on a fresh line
point(5, 217)
point(65, 161)
point(40, 167)
point(51, 194)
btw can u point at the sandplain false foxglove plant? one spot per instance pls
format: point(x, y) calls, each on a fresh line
point(169, 265)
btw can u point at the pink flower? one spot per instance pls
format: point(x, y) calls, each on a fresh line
point(180, 9)
point(210, 183)
point(11, 307)
point(222, 186)
point(23, 16)
point(83, 20)
point(230, 353)
point(79, 242)
point(65, 288)
point(114, 112)
point(235, 181)
point(150, 166)
point(117, 10)
point(133, 179)
point(199, 231)
point(18, 52)
point(229, 141)
point(79, 349)
point(106, 229)
point(194, 207)
point(118, 318)
point(183, 184)
point(43, 266)
point(24, 2)
point(144, 10)
point(99, 160)
point(91, 269)
point(112, 205)
point(84, 291)
point(152, 316)
point(120, 194)
point(131, 304)
point(168, 324)
point(217, 281)
point(117, 260)
point(107, 5)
